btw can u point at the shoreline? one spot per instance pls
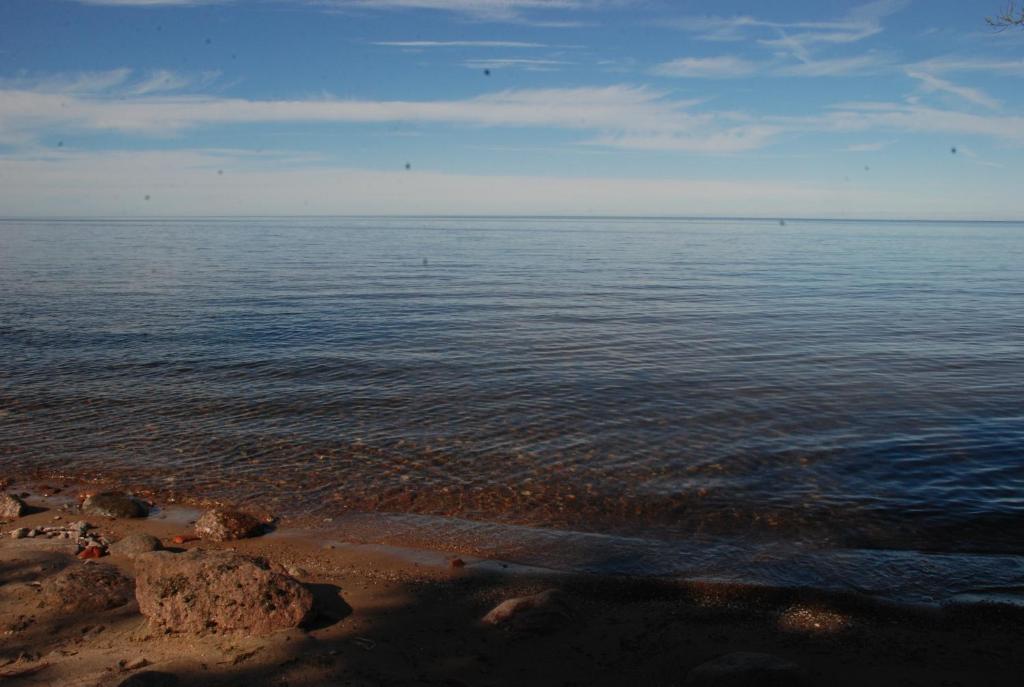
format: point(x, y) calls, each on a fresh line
point(402, 615)
point(888, 577)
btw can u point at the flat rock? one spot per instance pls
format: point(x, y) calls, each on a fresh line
point(88, 589)
point(135, 544)
point(227, 525)
point(112, 504)
point(744, 669)
point(11, 507)
point(543, 611)
point(200, 591)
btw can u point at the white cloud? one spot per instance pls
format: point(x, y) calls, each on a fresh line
point(794, 44)
point(840, 66)
point(150, 3)
point(187, 182)
point(944, 65)
point(859, 23)
point(514, 63)
point(932, 84)
point(726, 66)
point(114, 81)
point(78, 82)
point(736, 139)
point(460, 44)
point(618, 109)
point(911, 118)
point(867, 147)
point(489, 10)
point(620, 116)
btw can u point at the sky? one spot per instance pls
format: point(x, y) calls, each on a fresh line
point(880, 109)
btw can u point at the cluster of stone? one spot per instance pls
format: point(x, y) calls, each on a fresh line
point(81, 532)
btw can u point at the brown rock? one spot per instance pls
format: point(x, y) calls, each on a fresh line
point(112, 504)
point(539, 612)
point(135, 544)
point(88, 589)
point(227, 525)
point(11, 507)
point(200, 591)
point(746, 670)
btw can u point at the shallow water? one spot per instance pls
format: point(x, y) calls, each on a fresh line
point(832, 385)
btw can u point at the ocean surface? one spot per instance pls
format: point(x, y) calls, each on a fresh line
point(823, 403)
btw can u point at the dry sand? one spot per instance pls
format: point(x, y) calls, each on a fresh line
point(389, 616)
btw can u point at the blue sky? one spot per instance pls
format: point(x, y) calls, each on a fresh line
point(631, 107)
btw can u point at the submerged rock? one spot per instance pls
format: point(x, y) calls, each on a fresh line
point(744, 669)
point(200, 591)
point(538, 612)
point(11, 507)
point(135, 544)
point(227, 525)
point(88, 589)
point(112, 504)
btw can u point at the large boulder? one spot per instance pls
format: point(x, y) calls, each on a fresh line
point(11, 507)
point(743, 669)
point(113, 504)
point(135, 544)
point(88, 588)
point(227, 525)
point(200, 591)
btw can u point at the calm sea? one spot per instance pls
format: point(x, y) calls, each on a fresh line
point(822, 402)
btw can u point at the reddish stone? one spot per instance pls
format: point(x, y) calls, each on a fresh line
point(87, 588)
point(201, 591)
point(227, 525)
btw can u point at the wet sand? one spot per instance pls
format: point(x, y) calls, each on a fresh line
point(400, 616)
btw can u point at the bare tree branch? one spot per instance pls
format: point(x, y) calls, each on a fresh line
point(1011, 16)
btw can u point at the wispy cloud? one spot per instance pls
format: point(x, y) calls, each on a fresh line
point(931, 84)
point(123, 81)
point(621, 116)
point(859, 23)
point(794, 46)
point(488, 10)
point(867, 147)
point(707, 67)
point(514, 63)
point(187, 182)
point(912, 118)
point(736, 139)
point(613, 110)
point(460, 44)
point(952, 64)
point(857, 65)
point(732, 67)
point(149, 3)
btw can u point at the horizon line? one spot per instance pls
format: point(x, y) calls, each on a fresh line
point(749, 218)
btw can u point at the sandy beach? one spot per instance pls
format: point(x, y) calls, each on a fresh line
point(393, 616)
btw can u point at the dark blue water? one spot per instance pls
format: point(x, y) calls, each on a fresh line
point(833, 385)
